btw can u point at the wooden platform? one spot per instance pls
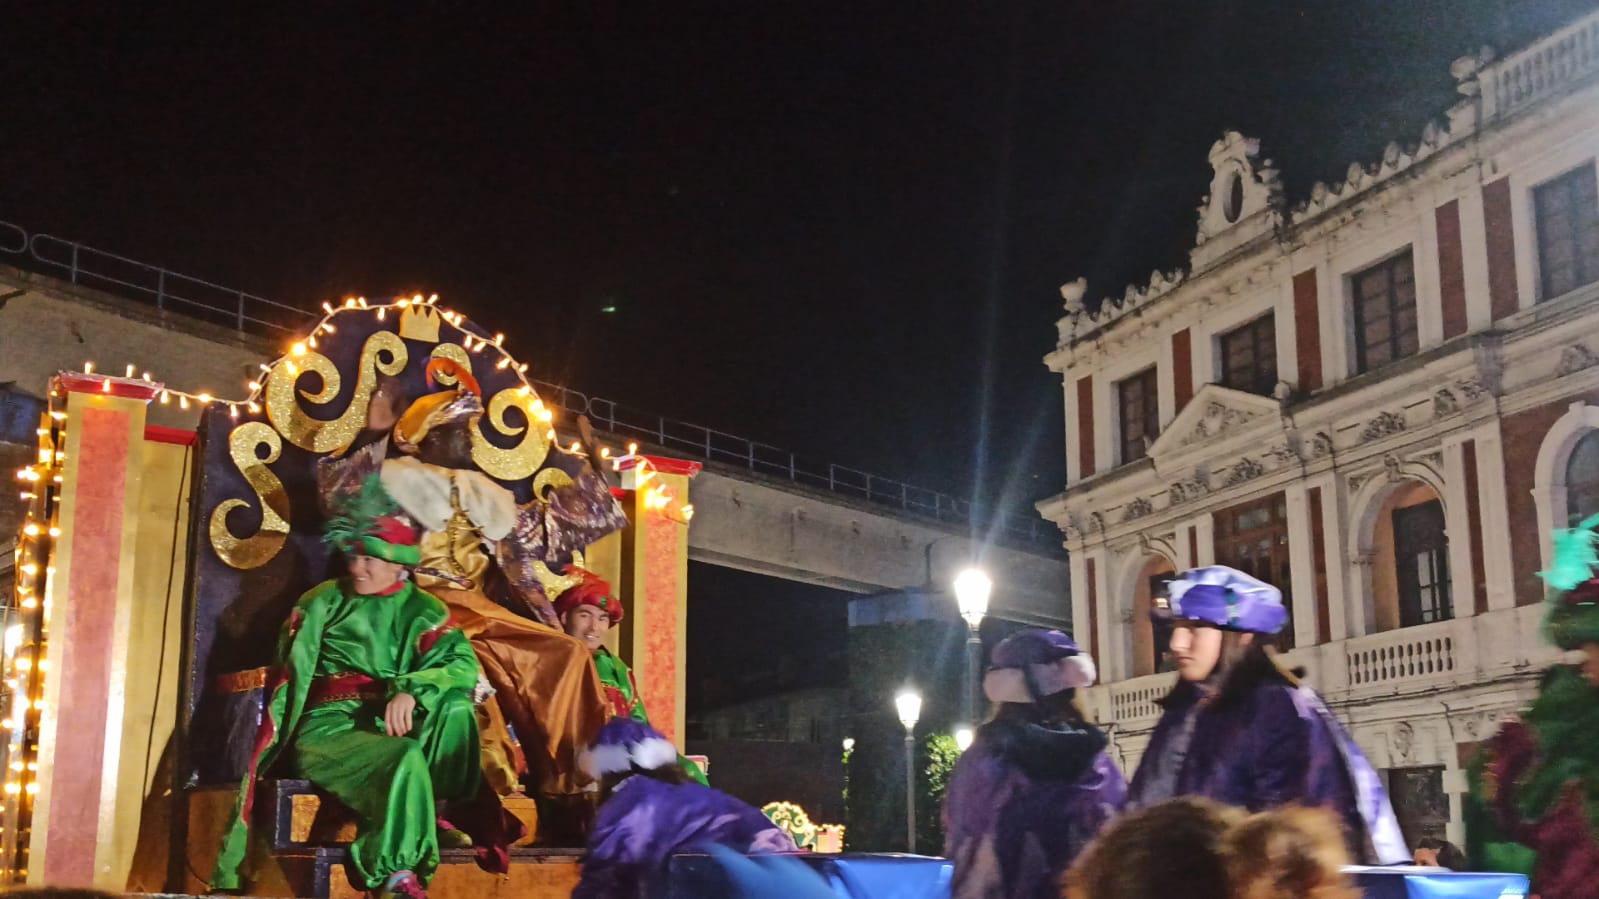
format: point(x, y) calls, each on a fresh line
point(298, 850)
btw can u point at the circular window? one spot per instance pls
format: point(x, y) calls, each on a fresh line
point(1233, 197)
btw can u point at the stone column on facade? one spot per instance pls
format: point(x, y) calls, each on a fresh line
point(1166, 382)
point(1180, 541)
point(1110, 660)
point(1080, 614)
point(1334, 500)
point(1474, 236)
point(1457, 526)
point(1205, 539)
point(1301, 564)
point(1358, 611)
point(1074, 462)
point(1491, 495)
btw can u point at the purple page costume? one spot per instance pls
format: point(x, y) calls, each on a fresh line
point(1277, 745)
point(1022, 802)
point(646, 822)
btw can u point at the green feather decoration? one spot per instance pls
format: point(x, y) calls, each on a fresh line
point(357, 514)
point(1575, 555)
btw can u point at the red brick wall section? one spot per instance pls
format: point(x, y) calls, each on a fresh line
point(1318, 555)
point(1093, 611)
point(1524, 433)
point(1182, 375)
point(1451, 269)
point(1502, 297)
point(1479, 581)
point(1085, 425)
point(1307, 331)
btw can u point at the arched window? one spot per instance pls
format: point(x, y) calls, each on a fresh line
point(1582, 478)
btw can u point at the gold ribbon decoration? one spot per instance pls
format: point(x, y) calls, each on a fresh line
point(383, 352)
point(244, 444)
point(519, 461)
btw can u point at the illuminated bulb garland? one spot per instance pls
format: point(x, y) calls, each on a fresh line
point(472, 342)
point(23, 647)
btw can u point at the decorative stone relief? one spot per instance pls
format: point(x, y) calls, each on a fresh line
point(1471, 389)
point(1321, 445)
point(1404, 741)
point(1137, 509)
point(1283, 454)
point(1390, 465)
point(1188, 489)
point(1218, 420)
point(1384, 424)
point(1247, 469)
point(1444, 403)
point(1096, 523)
point(1575, 358)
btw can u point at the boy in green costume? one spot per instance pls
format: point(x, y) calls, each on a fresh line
point(371, 700)
point(588, 610)
point(1533, 807)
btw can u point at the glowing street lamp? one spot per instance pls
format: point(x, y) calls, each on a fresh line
point(963, 737)
point(972, 589)
point(909, 706)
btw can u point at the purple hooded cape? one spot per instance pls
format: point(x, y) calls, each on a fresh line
point(1023, 800)
point(646, 822)
point(1277, 744)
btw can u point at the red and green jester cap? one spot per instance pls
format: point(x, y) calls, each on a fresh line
point(590, 590)
point(1573, 601)
point(369, 523)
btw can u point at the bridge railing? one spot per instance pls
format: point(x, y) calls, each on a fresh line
point(246, 312)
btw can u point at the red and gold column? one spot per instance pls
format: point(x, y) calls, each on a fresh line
point(655, 570)
point(78, 816)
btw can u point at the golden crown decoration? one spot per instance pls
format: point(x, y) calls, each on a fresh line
point(420, 322)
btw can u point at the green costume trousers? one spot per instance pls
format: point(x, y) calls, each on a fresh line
point(391, 783)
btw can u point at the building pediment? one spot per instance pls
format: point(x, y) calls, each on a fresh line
point(1216, 415)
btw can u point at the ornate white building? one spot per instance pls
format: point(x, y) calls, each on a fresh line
point(1378, 399)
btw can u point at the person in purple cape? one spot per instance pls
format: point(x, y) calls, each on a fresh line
point(650, 811)
point(1239, 729)
point(1036, 785)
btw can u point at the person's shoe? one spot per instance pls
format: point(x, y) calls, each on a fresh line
point(452, 838)
point(402, 885)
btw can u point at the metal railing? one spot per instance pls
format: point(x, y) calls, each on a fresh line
point(245, 312)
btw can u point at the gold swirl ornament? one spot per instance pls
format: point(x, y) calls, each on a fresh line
point(521, 460)
point(245, 553)
point(384, 352)
point(506, 463)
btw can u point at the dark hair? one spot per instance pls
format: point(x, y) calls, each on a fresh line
point(671, 773)
point(1241, 667)
point(1449, 855)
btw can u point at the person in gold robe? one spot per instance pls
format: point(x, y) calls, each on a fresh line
point(478, 541)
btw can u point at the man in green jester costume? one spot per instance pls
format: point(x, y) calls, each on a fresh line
point(588, 609)
point(371, 700)
point(1534, 801)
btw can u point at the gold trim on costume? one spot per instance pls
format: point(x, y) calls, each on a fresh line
point(519, 461)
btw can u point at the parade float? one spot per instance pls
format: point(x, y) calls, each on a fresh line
point(156, 567)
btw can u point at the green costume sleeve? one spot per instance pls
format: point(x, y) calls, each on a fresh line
point(448, 665)
point(441, 658)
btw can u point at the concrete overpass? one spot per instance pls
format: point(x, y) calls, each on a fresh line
point(767, 516)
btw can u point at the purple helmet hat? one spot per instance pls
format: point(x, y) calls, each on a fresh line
point(1224, 597)
point(624, 744)
point(1033, 663)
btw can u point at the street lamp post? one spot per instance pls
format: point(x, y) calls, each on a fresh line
point(972, 588)
point(909, 705)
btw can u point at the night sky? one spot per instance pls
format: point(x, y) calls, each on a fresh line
point(834, 227)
